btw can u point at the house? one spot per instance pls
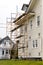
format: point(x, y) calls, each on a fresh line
point(6, 45)
point(31, 31)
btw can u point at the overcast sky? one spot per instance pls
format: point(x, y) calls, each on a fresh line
point(6, 7)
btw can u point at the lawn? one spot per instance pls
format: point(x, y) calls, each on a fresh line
point(20, 62)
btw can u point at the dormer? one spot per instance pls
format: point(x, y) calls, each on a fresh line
point(25, 7)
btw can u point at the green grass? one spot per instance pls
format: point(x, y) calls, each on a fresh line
point(20, 62)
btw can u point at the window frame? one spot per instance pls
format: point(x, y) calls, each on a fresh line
point(2, 52)
point(36, 43)
point(31, 24)
point(33, 44)
point(25, 27)
point(6, 51)
point(38, 20)
point(21, 30)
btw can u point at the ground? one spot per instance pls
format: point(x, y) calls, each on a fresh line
point(20, 62)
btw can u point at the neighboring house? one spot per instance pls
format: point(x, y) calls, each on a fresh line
point(31, 31)
point(5, 48)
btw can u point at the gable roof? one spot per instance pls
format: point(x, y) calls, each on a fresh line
point(31, 4)
point(30, 7)
point(6, 38)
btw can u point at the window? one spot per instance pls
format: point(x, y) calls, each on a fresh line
point(2, 52)
point(39, 53)
point(5, 43)
point(39, 34)
point(23, 49)
point(30, 37)
point(31, 24)
point(6, 51)
point(29, 54)
point(33, 44)
point(27, 44)
point(26, 28)
point(38, 20)
point(36, 44)
point(21, 30)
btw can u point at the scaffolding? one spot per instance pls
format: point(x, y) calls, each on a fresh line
point(2, 28)
point(10, 25)
point(23, 37)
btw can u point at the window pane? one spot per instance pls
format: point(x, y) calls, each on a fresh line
point(30, 37)
point(38, 20)
point(2, 52)
point(38, 34)
point(26, 28)
point(36, 43)
point(39, 53)
point(33, 44)
point(6, 51)
point(31, 24)
point(21, 29)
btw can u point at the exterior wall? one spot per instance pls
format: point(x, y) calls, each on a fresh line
point(42, 30)
point(0, 53)
point(5, 47)
point(34, 52)
point(31, 51)
point(5, 56)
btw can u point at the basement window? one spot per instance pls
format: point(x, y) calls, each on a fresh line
point(27, 44)
point(29, 54)
point(39, 53)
